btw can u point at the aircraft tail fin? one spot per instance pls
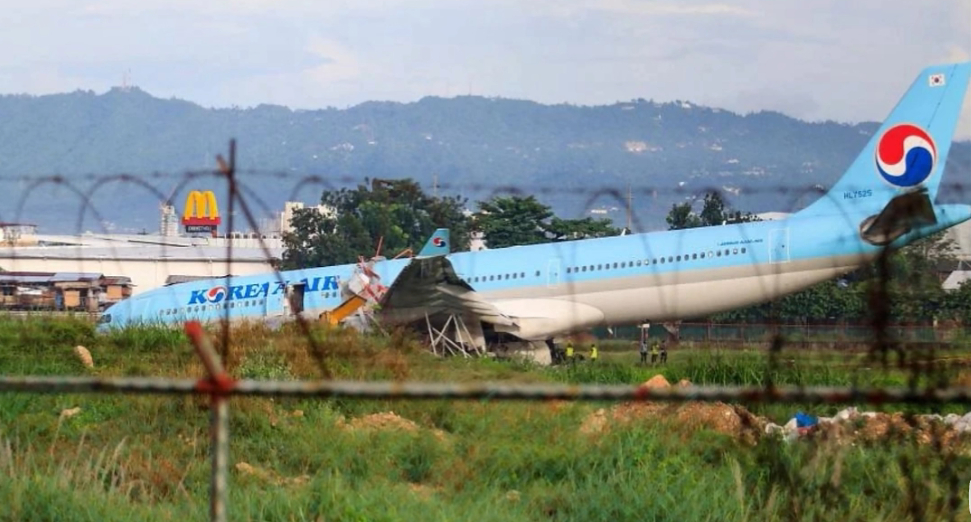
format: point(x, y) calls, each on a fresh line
point(909, 150)
point(437, 245)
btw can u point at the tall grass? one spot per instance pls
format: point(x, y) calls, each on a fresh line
point(146, 458)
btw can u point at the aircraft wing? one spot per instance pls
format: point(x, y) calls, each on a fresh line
point(430, 285)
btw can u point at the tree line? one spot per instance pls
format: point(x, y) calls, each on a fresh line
point(397, 216)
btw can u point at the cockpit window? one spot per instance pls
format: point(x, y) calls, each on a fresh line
point(105, 319)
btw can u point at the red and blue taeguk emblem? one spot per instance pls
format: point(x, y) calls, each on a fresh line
point(439, 242)
point(216, 294)
point(906, 155)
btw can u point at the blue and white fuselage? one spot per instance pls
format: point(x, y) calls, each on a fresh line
point(562, 287)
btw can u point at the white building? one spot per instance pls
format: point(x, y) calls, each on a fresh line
point(147, 259)
point(169, 221)
point(147, 265)
point(18, 234)
point(290, 208)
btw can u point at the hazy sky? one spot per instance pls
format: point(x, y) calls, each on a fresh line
point(847, 60)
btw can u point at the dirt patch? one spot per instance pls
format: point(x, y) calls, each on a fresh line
point(723, 418)
point(658, 381)
point(248, 470)
point(386, 421)
point(422, 490)
point(84, 356)
point(382, 421)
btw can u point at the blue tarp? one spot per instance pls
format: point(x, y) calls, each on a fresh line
point(804, 421)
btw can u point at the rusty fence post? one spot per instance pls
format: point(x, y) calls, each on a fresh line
point(218, 386)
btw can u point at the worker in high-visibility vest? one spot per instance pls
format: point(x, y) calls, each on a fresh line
point(654, 353)
point(569, 351)
point(593, 352)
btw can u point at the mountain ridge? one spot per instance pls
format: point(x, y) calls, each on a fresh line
point(461, 141)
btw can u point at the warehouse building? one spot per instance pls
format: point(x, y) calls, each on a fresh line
point(62, 291)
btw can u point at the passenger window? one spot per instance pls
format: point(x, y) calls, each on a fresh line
point(679, 258)
point(615, 266)
point(522, 275)
point(735, 251)
point(537, 273)
point(743, 250)
point(638, 262)
point(694, 256)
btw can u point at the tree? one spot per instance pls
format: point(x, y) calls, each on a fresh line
point(512, 220)
point(681, 217)
point(714, 212)
point(515, 220)
point(569, 229)
point(397, 213)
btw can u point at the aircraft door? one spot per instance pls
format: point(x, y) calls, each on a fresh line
point(553, 273)
point(295, 298)
point(779, 245)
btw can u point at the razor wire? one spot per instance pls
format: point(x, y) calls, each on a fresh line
point(242, 187)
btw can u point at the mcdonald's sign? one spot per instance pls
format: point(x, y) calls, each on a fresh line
point(201, 213)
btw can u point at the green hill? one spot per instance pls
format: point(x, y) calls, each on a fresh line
point(474, 145)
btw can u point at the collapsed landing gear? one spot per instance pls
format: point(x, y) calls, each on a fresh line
point(455, 336)
point(557, 355)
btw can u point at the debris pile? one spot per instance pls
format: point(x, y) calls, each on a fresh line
point(847, 426)
point(851, 426)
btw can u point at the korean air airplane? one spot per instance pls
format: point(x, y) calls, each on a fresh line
point(886, 198)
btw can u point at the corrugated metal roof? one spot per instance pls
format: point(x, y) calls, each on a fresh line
point(176, 278)
point(142, 252)
point(954, 280)
point(24, 279)
point(117, 280)
point(61, 277)
point(48, 278)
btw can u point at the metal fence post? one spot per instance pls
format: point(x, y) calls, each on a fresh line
point(218, 386)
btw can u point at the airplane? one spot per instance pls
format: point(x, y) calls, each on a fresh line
point(536, 293)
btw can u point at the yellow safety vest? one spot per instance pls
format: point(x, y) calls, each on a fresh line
point(593, 353)
point(569, 350)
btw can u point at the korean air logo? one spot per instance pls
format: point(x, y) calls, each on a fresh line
point(439, 242)
point(906, 155)
point(216, 294)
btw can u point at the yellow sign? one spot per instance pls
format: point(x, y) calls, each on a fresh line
point(201, 209)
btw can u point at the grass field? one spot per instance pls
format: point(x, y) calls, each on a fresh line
point(146, 458)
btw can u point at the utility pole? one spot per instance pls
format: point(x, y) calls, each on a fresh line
point(630, 199)
point(435, 185)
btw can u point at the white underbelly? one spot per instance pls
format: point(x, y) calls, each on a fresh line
point(698, 299)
